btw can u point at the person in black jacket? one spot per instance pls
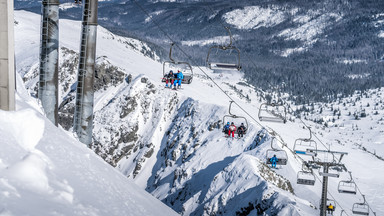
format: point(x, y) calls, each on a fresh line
point(169, 78)
point(241, 130)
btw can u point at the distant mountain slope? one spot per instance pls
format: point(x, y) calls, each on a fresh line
point(296, 47)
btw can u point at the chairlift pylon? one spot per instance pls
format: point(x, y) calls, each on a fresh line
point(361, 208)
point(185, 67)
point(281, 155)
point(233, 116)
point(220, 65)
point(347, 186)
point(306, 177)
point(273, 112)
point(305, 146)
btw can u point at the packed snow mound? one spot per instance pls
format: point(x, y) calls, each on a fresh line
point(44, 171)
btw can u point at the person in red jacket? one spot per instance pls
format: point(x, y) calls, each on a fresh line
point(232, 130)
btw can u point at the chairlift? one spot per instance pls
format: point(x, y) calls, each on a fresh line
point(231, 118)
point(306, 177)
point(171, 64)
point(361, 208)
point(329, 174)
point(305, 146)
point(281, 155)
point(220, 65)
point(347, 186)
point(273, 112)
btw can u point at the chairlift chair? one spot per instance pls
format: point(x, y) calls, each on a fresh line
point(185, 67)
point(220, 65)
point(232, 116)
point(306, 178)
point(305, 146)
point(329, 174)
point(281, 155)
point(347, 186)
point(361, 208)
point(273, 112)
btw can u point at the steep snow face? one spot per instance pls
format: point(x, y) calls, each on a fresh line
point(44, 171)
point(128, 128)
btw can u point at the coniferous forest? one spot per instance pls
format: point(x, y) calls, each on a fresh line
point(346, 55)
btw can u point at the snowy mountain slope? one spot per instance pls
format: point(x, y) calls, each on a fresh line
point(170, 142)
point(44, 171)
point(307, 27)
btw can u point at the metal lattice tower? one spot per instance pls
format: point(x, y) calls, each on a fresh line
point(83, 117)
point(7, 57)
point(326, 174)
point(49, 59)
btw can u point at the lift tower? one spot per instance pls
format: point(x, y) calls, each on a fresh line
point(326, 165)
point(83, 117)
point(7, 57)
point(49, 59)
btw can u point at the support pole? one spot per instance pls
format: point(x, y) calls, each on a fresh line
point(323, 204)
point(49, 59)
point(83, 117)
point(7, 57)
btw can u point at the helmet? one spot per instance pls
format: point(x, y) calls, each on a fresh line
point(227, 122)
point(242, 124)
point(171, 71)
point(231, 122)
point(274, 155)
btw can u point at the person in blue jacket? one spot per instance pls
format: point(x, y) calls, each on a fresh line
point(180, 77)
point(175, 81)
point(273, 161)
point(226, 128)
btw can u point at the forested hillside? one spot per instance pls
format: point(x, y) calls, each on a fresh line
point(313, 50)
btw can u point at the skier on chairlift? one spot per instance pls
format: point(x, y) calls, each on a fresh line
point(330, 208)
point(180, 77)
point(169, 78)
point(241, 130)
point(274, 161)
point(175, 80)
point(226, 128)
point(232, 130)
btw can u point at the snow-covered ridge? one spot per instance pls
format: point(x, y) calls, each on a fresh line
point(156, 13)
point(222, 40)
point(253, 17)
point(307, 25)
